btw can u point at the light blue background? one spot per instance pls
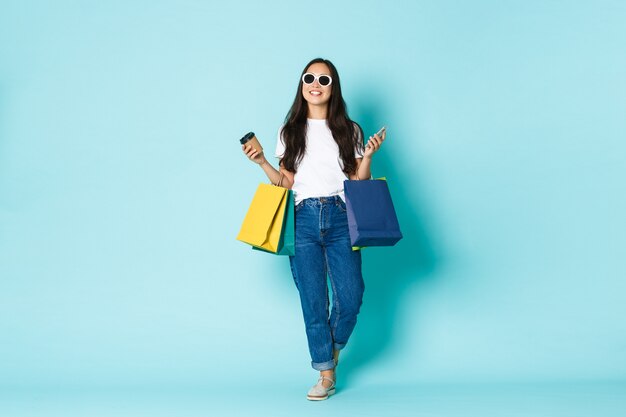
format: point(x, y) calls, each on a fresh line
point(122, 188)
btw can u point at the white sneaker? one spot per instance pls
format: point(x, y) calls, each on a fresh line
point(319, 392)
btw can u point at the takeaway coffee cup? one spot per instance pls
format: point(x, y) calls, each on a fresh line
point(250, 139)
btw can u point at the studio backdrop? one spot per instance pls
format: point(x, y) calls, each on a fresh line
point(123, 187)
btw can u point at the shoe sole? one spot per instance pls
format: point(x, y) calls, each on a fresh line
point(330, 392)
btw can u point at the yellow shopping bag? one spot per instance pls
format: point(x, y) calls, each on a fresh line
point(264, 221)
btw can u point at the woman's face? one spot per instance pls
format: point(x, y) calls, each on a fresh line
point(316, 94)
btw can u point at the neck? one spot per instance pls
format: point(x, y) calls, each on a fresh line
point(318, 112)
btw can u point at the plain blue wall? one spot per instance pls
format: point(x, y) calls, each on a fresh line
point(122, 188)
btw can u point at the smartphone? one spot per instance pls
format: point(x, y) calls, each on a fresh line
point(379, 133)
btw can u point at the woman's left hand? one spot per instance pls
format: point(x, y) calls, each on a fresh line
point(373, 144)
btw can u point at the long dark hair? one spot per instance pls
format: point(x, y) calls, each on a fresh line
point(347, 134)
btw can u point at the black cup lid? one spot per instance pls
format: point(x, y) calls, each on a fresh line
point(246, 138)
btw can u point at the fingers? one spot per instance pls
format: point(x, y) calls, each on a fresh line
point(374, 142)
point(250, 152)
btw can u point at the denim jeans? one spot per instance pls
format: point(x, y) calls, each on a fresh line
point(323, 251)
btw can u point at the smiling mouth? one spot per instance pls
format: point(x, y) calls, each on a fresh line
point(315, 93)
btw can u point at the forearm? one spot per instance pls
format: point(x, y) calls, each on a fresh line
point(274, 175)
point(364, 171)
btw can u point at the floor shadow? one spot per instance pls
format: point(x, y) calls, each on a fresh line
point(389, 271)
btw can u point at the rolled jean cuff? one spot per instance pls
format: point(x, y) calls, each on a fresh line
point(323, 366)
point(339, 346)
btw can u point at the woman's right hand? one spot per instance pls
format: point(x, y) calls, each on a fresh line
point(253, 154)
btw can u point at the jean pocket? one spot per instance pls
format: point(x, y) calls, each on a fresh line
point(299, 206)
point(341, 205)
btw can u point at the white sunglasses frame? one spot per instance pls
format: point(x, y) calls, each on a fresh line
point(317, 78)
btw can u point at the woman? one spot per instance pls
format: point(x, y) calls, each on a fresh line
point(319, 147)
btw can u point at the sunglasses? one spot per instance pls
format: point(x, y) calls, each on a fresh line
point(324, 80)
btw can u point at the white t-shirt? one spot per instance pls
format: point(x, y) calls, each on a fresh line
point(319, 173)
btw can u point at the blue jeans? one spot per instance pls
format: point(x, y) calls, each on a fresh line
point(323, 250)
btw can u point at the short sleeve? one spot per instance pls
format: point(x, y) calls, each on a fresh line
point(280, 144)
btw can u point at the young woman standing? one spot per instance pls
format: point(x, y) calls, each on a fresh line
point(318, 148)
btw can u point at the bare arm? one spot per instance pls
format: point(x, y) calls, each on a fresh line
point(272, 173)
point(363, 165)
point(363, 169)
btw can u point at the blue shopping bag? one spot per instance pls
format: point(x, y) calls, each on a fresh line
point(372, 219)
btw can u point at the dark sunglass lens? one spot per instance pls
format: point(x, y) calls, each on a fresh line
point(308, 78)
point(324, 80)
